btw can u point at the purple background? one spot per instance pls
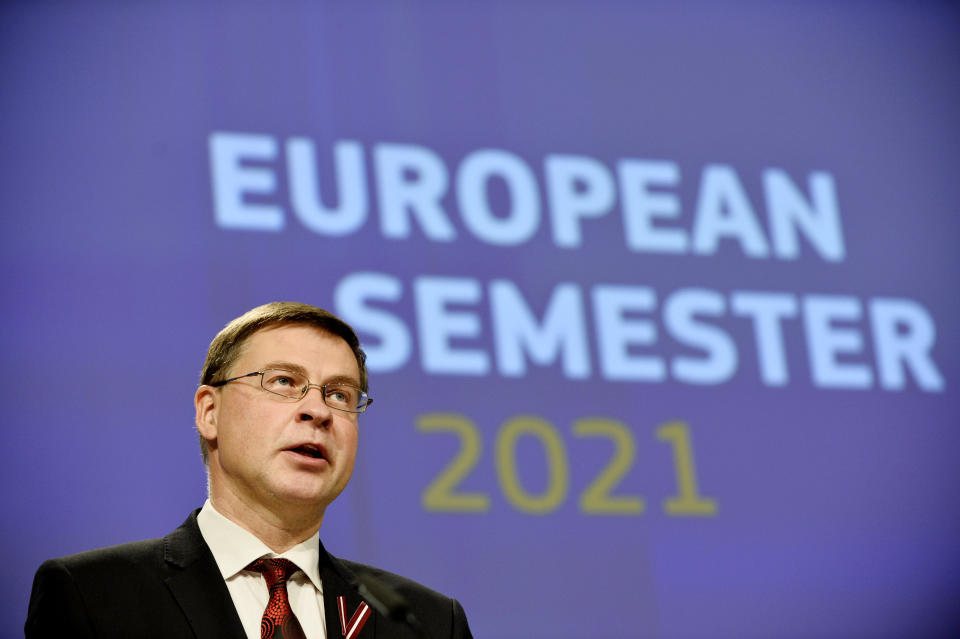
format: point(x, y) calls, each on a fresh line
point(838, 509)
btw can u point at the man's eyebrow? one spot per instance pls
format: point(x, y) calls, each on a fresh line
point(287, 366)
point(344, 379)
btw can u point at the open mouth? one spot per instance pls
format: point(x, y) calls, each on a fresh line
point(309, 450)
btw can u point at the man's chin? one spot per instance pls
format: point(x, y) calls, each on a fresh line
point(307, 494)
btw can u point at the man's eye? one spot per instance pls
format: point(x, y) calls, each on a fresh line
point(281, 381)
point(339, 394)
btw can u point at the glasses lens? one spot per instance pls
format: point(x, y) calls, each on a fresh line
point(345, 397)
point(285, 383)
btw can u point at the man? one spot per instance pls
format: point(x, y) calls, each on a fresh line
point(276, 411)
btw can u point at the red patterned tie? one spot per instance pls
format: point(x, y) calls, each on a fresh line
point(278, 621)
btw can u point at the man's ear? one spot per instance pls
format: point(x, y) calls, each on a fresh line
point(207, 404)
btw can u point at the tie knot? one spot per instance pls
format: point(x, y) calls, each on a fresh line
point(275, 570)
point(278, 621)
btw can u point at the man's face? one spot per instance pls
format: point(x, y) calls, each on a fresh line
point(274, 456)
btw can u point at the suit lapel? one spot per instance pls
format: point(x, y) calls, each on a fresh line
point(338, 581)
point(197, 585)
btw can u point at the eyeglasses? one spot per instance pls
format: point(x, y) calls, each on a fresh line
point(293, 387)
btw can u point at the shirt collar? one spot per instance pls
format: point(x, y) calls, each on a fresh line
point(234, 547)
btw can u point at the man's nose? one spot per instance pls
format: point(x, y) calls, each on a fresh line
point(313, 407)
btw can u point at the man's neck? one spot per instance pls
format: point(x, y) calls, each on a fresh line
point(279, 531)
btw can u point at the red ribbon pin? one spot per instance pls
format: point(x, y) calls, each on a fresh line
point(350, 629)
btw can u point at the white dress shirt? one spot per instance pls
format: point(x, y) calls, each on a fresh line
point(234, 548)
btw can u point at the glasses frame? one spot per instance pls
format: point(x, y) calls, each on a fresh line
point(303, 391)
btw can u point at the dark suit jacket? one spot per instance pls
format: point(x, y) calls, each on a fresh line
point(171, 587)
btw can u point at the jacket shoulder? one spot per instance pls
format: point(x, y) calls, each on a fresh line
point(70, 593)
point(401, 584)
point(443, 616)
point(110, 558)
point(118, 591)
